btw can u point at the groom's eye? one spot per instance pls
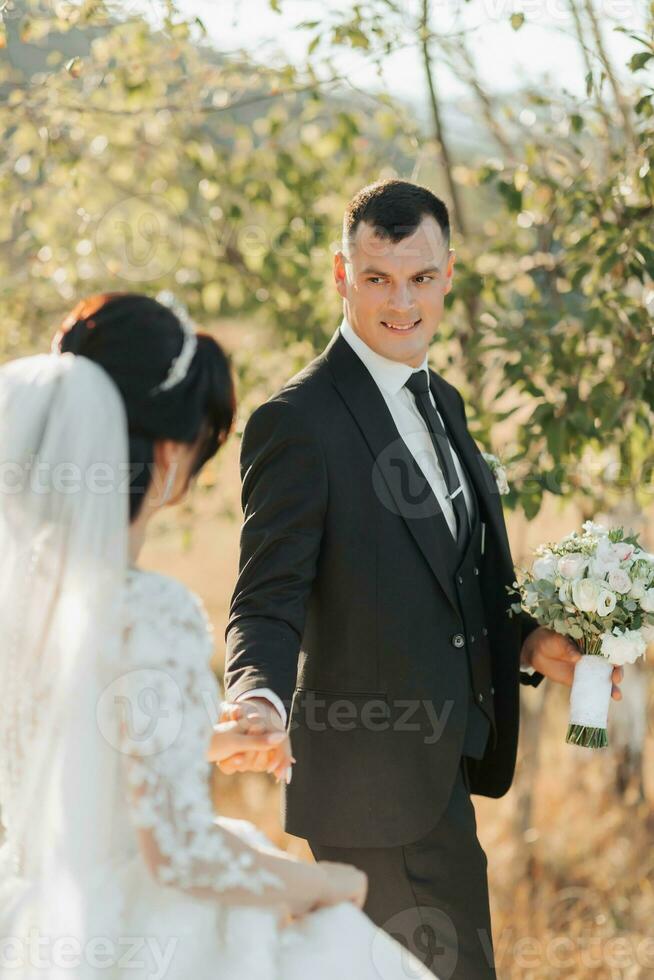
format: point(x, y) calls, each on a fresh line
point(376, 279)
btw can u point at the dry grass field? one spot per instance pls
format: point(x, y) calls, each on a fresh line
point(571, 861)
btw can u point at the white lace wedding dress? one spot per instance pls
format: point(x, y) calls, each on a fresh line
point(189, 914)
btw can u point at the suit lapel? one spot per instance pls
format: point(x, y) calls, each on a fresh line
point(396, 478)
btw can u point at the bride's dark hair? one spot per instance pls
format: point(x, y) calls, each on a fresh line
point(135, 339)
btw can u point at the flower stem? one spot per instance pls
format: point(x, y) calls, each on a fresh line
point(592, 646)
point(589, 738)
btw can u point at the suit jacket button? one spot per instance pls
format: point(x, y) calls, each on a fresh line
point(484, 631)
point(476, 571)
point(472, 638)
point(492, 690)
point(458, 640)
point(481, 698)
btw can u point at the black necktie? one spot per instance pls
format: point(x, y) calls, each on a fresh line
point(418, 385)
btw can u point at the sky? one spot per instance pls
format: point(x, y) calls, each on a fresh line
point(544, 48)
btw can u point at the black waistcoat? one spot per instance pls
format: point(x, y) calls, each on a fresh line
point(465, 571)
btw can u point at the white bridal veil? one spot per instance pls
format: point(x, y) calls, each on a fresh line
point(63, 559)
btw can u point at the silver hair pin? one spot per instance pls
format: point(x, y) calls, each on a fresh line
point(181, 364)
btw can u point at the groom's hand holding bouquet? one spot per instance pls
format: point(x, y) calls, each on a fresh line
point(595, 588)
point(555, 656)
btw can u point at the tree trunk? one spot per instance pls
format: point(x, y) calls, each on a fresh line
point(439, 135)
point(620, 100)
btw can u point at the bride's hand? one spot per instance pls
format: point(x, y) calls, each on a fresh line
point(345, 883)
point(230, 738)
point(310, 887)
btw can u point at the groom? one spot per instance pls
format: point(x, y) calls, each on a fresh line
point(370, 611)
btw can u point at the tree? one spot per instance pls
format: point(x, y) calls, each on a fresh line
point(141, 158)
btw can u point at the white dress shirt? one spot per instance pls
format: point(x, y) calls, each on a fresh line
point(390, 377)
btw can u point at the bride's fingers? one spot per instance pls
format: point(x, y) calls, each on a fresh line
point(276, 756)
point(227, 766)
point(282, 771)
point(260, 762)
point(225, 728)
point(282, 762)
point(240, 762)
point(231, 711)
point(228, 741)
point(278, 759)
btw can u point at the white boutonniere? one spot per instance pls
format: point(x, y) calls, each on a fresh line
point(498, 472)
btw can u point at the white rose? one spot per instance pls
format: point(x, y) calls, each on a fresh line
point(647, 629)
point(647, 602)
point(605, 550)
point(565, 593)
point(572, 565)
point(606, 602)
point(611, 647)
point(545, 567)
point(619, 580)
point(591, 528)
point(623, 648)
point(585, 593)
point(623, 550)
point(637, 590)
point(601, 565)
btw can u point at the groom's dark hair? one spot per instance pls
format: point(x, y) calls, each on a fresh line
point(394, 208)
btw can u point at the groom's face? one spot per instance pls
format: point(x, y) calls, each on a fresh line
point(394, 292)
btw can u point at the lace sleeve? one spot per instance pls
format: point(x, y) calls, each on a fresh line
point(168, 700)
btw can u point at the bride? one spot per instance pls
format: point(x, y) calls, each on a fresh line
point(113, 862)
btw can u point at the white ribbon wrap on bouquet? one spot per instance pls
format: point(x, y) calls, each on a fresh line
point(591, 692)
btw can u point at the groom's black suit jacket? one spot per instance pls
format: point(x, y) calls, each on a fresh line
point(345, 607)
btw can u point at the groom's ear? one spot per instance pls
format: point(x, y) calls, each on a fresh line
point(340, 273)
point(449, 270)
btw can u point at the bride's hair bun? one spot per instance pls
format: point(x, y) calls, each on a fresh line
point(75, 327)
point(136, 339)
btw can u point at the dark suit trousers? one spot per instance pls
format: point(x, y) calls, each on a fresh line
point(432, 894)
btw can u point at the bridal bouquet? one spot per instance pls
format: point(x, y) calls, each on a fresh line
point(598, 588)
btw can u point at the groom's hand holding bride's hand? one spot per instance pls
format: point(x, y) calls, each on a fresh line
point(233, 736)
point(555, 656)
point(259, 720)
